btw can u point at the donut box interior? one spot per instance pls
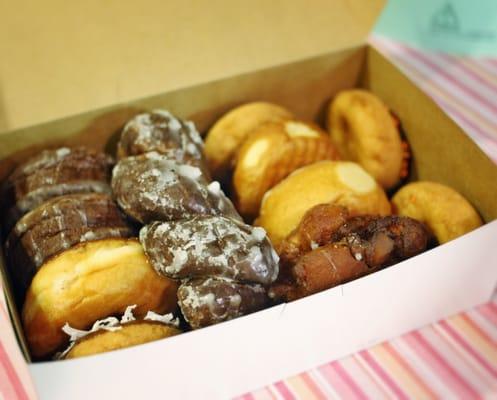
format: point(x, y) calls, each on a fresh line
point(243, 354)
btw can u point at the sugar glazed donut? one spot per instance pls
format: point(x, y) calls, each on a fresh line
point(50, 174)
point(447, 213)
point(152, 187)
point(160, 131)
point(364, 131)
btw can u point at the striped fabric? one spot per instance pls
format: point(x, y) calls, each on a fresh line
point(454, 358)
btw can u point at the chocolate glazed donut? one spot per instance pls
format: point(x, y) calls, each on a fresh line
point(50, 174)
point(193, 232)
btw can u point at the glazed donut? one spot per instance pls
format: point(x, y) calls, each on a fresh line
point(364, 131)
point(210, 246)
point(447, 213)
point(271, 152)
point(112, 334)
point(55, 226)
point(229, 132)
point(357, 247)
point(90, 281)
point(161, 132)
point(53, 173)
point(209, 301)
point(152, 187)
point(341, 183)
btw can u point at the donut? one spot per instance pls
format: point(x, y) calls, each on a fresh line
point(341, 183)
point(113, 334)
point(208, 301)
point(57, 225)
point(446, 212)
point(162, 132)
point(359, 246)
point(271, 152)
point(90, 281)
point(151, 187)
point(53, 173)
point(364, 131)
point(210, 246)
point(226, 135)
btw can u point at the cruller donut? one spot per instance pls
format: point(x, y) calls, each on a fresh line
point(363, 129)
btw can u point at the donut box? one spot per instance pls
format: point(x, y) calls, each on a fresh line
point(234, 357)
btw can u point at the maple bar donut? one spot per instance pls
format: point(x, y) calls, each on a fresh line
point(446, 212)
point(341, 183)
point(210, 246)
point(272, 152)
point(364, 131)
point(53, 173)
point(208, 301)
point(229, 132)
point(152, 187)
point(55, 226)
point(90, 281)
point(162, 132)
point(113, 334)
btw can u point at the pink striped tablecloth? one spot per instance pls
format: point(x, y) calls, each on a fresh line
point(454, 358)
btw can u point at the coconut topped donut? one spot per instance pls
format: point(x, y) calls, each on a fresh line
point(112, 333)
point(167, 190)
point(162, 132)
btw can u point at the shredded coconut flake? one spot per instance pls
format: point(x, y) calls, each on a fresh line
point(112, 324)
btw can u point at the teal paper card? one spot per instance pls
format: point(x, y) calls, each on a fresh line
point(455, 26)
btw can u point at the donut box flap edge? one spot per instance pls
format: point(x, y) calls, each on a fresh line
point(154, 46)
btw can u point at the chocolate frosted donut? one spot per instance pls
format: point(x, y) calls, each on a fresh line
point(152, 187)
point(57, 225)
point(209, 301)
point(163, 133)
point(210, 246)
point(53, 173)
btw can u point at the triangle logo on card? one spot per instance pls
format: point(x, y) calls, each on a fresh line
point(445, 19)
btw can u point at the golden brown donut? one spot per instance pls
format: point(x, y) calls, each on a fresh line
point(87, 282)
point(364, 131)
point(342, 183)
point(272, 152)
point(447, 213)
point(131, 334)
point(231, 129)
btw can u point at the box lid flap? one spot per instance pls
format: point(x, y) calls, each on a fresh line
point(60, 58)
